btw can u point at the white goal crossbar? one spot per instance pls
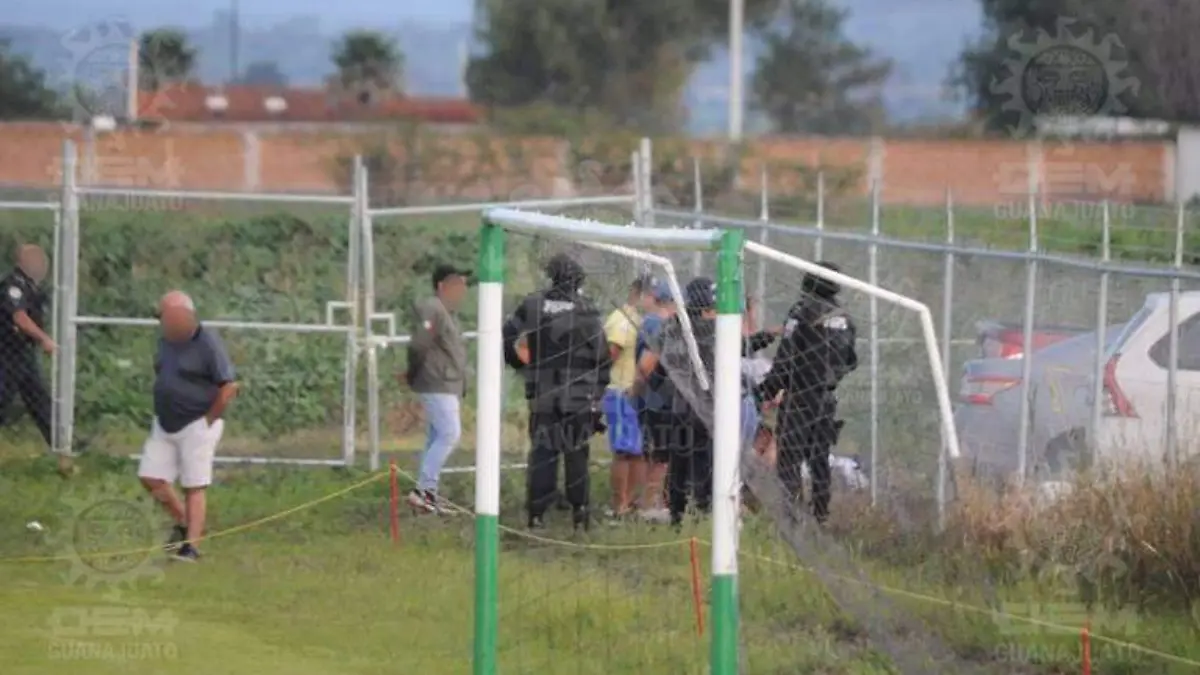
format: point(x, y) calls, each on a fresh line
point(945, 409)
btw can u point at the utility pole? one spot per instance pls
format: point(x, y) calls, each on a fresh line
point(736, 73)
point(234, 39)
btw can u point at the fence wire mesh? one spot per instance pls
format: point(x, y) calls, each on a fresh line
point(270, 278)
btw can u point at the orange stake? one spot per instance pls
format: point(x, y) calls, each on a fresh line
point(697, 593)
point(395, 503)
point(1085, 640)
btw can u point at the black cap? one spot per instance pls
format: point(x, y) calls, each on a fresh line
point(443, 272)
point(563, 270)
point(821, 286)
point(700, 293)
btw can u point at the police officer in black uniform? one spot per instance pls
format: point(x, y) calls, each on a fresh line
point(555, 337)
point(22, 317)
point(814, 355)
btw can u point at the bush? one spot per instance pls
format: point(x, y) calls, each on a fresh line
point(1130, 542)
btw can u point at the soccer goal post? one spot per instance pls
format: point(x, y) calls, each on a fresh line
point(632, 242)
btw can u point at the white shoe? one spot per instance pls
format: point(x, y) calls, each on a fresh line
point(421, 502)
point(656, 516)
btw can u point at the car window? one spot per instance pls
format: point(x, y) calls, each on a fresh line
point(1132, 327)
point(1189, 346)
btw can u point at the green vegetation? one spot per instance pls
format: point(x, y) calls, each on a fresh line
point(252, 263)
point(322, 590)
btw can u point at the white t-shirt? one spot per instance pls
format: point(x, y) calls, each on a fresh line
point(755, 369)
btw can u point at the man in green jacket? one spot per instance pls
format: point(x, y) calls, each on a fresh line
point(437, 372)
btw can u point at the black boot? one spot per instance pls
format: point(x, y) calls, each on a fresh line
point(580, 519)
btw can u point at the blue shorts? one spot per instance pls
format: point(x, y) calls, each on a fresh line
point(624, 432)
point(750, 421)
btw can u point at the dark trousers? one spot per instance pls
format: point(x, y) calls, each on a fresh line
point(551, 435)
point(21, 375)
point(805, 438)
point(689, 467)
point(658, 426)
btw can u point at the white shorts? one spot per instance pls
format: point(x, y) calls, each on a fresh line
point(186, 455)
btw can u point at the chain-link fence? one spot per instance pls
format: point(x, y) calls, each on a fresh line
point(1004, 281)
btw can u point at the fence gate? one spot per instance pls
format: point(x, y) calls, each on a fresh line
point(287, 315)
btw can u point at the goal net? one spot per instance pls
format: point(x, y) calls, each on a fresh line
point(578, 567)
point(849, 435)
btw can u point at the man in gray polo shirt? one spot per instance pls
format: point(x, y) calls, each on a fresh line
point(193, 384)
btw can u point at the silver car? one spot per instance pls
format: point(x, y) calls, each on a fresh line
point(988, 414)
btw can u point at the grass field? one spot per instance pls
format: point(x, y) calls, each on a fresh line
point(323, 590)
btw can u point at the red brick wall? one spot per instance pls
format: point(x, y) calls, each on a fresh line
point(913, 171)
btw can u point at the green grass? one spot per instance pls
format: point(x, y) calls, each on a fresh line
point(323, 590)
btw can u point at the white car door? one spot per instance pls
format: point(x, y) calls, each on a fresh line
point(1187, 406)
point(1142, 374)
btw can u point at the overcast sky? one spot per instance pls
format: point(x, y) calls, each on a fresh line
point(65, 14)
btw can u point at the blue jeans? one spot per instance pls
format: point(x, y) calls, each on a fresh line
point(442, 436)
point(750, 421)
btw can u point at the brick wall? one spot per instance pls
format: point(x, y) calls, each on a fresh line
point(306, 161)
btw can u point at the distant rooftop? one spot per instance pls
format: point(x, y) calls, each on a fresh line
point(201, 104)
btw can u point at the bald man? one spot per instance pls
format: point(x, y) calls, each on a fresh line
point(22, 316)
point(193, 384)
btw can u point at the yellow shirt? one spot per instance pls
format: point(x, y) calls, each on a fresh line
point(621, 330)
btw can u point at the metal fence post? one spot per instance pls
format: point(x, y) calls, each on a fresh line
point(698, 207)
point(1027, 341)
point(70, 295)
point(353, 280)
point(1173, 342)
point(1101, 329)
point(760, 282)
point(366, 231)
point(819, 244)
point(646, 155)
point(639, 196)
point(947, 342)
point(56, 335)
point(873, 279)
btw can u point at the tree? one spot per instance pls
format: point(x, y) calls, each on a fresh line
point(1173, 55)
point(1157, 52)
point(164, 57)
point(627, 60)
point(263, 74)
point(367, 60)
point(812, 79)
point(24, 93)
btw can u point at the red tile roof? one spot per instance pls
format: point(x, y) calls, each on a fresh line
point(189, 103)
